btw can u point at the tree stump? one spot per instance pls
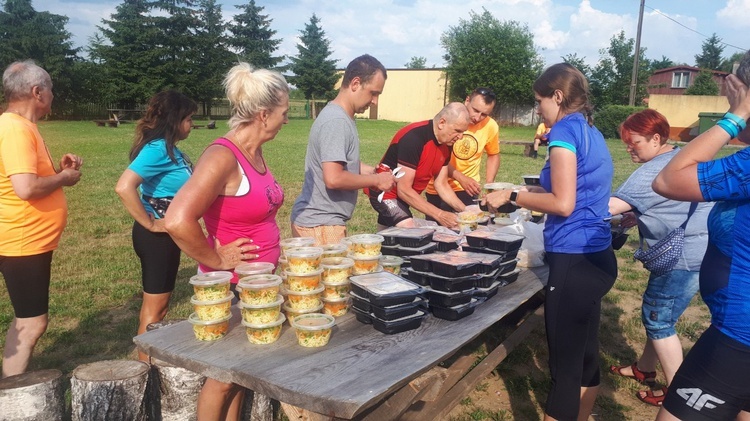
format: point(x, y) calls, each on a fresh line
point(173, 392)
point(35, 395)
point(108, 390)
point(256, 407)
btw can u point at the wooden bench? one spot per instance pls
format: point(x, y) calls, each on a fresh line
point(104, 123)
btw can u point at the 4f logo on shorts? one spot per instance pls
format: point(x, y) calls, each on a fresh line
point(696, 399)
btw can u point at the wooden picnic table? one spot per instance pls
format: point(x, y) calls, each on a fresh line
point(123, 114)
point(361, 373)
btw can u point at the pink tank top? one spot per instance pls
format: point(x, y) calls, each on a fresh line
point(252, 215)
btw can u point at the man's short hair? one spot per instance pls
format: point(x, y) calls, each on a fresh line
point(365, 67)
point(487, 95)
point(21, 76)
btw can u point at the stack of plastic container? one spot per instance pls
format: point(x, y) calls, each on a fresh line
point(365, 251)
point(260, 304)
point(449, 283)
point(335, 278)
point(405, 242)
point(303, 287)
point(390, 303)
point(212, 305)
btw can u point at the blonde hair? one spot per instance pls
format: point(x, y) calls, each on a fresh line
point(251, 90)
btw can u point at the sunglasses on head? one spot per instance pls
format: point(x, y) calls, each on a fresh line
point(486, 93)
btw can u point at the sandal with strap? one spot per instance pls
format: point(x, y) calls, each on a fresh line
point(647, 396)
point(644, 377)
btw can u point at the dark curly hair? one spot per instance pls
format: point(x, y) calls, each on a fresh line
point(166, 111)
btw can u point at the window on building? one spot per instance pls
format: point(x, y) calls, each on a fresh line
point(680, 79)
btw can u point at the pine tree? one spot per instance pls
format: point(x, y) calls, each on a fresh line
point(211, 54)
point(703, 85)
point(252, 37)
point(314, 73)
point(710, 56)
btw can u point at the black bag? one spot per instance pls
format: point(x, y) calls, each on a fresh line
point(160, 204)
point(664, 255)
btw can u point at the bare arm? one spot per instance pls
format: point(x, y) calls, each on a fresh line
point(214, 169)
point(407, 193)
point(618, 206)
point(127, 189)
point(469, 184)
point(493, 165)
point(679, 178)
point(336, 177)
point(445, 191)
point(31, 186)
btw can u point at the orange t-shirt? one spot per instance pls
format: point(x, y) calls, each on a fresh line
point(27, 227)
point(467, 151)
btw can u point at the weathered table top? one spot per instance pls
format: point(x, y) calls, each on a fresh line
point(359, 367)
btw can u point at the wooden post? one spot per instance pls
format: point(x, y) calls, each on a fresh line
point(107, 390)
point(173, 394)
point(35, 395)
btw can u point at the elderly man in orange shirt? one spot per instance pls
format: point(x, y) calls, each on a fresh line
point(483, 136)
point(33, 210)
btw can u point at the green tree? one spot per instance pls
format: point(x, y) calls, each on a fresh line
point(703, 85)
point(579, 63)
point(416, 63)
point(132, 55)
point(252, 37)
point(176, 22)
point(662, 63)
point(314, 73)
point(728, 63)
point(42, 37)
point(483, 51)
point(211, 55)
point(611, 77)
point(710, 56)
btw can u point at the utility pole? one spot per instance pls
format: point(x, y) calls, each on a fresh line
point(636, 57)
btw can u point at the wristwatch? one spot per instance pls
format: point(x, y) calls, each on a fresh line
point(514, 197)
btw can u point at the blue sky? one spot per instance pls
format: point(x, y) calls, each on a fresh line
point(396, 30)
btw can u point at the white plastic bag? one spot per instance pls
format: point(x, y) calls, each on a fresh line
point(531, 253)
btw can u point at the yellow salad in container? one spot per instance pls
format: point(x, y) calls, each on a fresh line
point(336, 290)
point(391, 264)
point(336, 269)
point(303, 283)
point(336, 307)
point(364, 265)
point(303, 260)
point(211, 285)
point(303, 300)
point(291, 313)
point(209, 330)
point(289, 243)
point(335, 250)
point(365, 245)
point(259, 289)
point(253, 268)
point(260, 314)
point(264, 334)
point(314, 329)
point(212, 309)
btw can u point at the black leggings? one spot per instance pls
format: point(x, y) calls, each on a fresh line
point(27, 279)
point(572, 307)
point(160, 259)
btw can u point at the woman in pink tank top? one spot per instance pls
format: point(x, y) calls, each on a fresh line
point(235, 193)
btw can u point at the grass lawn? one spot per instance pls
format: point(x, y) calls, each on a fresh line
point(94, 295)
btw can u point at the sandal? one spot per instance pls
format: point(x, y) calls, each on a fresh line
point(650, 398)
point(644, 377)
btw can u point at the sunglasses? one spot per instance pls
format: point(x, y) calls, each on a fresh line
point(486, 93)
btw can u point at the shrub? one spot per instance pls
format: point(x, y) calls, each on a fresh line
point(608, 118)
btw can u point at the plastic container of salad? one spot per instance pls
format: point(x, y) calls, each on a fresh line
point(211, 285)
point(363, 265)
point(304, 260)
point(291, 313)
point(253, 268)
point(259, 289)
point(303, 282)
point(209, 330)
point(264, 334)
point(390, 327)
point(303, 300)
point(415, 237)
point(336, 269)
point(448, 299)
point(261, 314)
point(289, 243)
point(212, 309)
point(365, 245)
point(313, 329)
point(384, 288)
point(335, 250)
point(336, 307)
point(283, 265)
point(391, 264)
point(334, 290)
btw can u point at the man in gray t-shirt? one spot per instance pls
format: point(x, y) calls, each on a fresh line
point(333, 171)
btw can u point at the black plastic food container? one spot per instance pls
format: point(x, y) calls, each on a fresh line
point(398, 311)
point(390, 327)
point(422, 263)
point(362, 317)
point(390, 236)
point(428, 248)
point(448, 299)
point(384, 288)
point(390, 250)
point(452, 266)
point(455, 312)
point(487, 292)
point(510, 277)
point(486, 262)
point(415, 237)
point(494, 240)
point(452, 284)
point(531, 180)
point(508, 266)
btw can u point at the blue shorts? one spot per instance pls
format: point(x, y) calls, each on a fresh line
point(665, 299)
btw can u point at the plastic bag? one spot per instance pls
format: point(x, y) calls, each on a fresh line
point(531, 253)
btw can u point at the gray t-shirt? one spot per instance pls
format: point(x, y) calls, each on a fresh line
point(333, 138)
point(658, 216)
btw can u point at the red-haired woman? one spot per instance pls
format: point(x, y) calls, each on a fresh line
point(668, 294)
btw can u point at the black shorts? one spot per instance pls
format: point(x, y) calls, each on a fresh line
point(160, 259)
point(436, 201)
point(27, 279)
point(713, 383)
point(391, 211)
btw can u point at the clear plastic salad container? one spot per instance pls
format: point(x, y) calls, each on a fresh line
point(253, 268)
point(283, 264)
point(365, 245)
point(211, 285)
point(291, 313)
point(313, 329)
point(335, 250)
point(336, 290)
point(336, 269)
point(304, 260)
point(264, 334)
point(209, 330)
point(260, 314)
point(391, 264)
point(212, 309)
point(259, 289)
point(289, 243)
point(304, 300)
point(364, 265)
point(336, 307)
point(303, 283)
